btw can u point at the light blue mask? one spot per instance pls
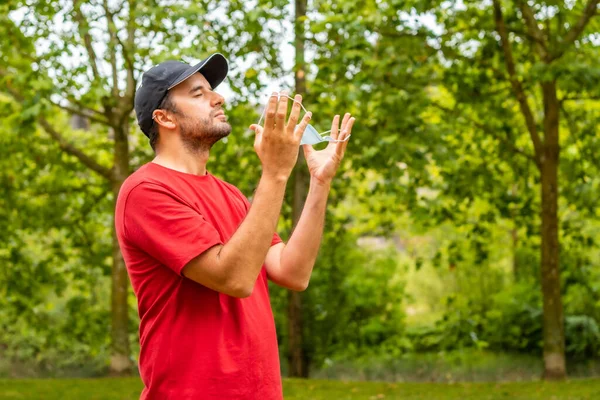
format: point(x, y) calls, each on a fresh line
point(311, 135)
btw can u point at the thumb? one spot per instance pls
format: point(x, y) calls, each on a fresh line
point(256, 128)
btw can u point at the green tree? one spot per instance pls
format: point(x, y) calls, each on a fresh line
point(541, 53)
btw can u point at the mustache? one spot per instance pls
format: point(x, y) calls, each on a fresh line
point(216, 111)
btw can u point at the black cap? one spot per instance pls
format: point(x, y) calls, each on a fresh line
point(165, 76)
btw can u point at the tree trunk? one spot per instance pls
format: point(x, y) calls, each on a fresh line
point(515, 261)
point(120, 360)
point(514, 235)
point(554, 335)
point(297, 359)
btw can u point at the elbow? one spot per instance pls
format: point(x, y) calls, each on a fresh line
point(242, 293)
point(240, 290)
point(298, 286)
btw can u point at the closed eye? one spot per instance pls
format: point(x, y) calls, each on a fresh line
point(198, 89)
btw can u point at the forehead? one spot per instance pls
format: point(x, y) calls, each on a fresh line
point(192, 82)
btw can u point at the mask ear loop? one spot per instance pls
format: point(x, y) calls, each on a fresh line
point(305, 110)
point(294, 100)
point(265, 110)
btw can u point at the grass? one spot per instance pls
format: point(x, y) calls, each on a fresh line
point(295, 389)
point(467, 365)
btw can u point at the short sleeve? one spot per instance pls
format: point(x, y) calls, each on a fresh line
point(162, 225)
point(276, 239)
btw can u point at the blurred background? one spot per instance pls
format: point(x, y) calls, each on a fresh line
point(463, 229)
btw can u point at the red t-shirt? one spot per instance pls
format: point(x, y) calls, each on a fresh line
point(196, 343)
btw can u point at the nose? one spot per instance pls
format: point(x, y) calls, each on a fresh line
point(217, 100)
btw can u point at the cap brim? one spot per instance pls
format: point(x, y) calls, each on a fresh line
point(214, 69)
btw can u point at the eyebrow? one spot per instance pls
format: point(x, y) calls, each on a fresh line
point(196, 88)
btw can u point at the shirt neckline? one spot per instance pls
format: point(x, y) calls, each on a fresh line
point(174, 171)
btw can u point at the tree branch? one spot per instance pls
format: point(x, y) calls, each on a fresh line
point(486, 129)
point(62, 142)
point(110, 26)
point(73, 101)
point(534, 30)
point(72, 150)
point(523, 33)
point(129, 96)
point(403, 34)
point(516, 83)
point(84, 32)
point(82, 112)
point(590, 10)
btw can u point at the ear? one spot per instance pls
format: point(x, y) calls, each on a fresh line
point(164, 119)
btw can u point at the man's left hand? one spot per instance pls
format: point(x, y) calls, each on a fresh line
point(323, 164)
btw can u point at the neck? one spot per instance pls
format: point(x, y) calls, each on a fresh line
point(183, 160)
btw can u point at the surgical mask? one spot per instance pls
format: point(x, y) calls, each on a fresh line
point(311, 135)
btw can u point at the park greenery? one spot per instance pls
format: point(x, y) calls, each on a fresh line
point(464, 221)
point(300, 389)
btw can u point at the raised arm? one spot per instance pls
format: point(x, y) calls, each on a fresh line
point(233, 268)
point(291, 265)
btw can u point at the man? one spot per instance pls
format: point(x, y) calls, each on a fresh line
point(198, 253)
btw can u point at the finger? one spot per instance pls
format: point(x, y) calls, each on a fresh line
point(344, 125)
point(340, 149)
point(295, 114)
point(345, 120)
point(270, 111)
point(335, 127)
point(302, 126)
point(281, 112)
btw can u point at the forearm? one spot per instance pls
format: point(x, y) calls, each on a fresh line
point(299, 255)
point(244, 254)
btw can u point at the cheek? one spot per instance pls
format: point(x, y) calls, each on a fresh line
point(201, 105)
point(195, 107)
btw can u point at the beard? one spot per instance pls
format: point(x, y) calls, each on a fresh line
point(200, 134)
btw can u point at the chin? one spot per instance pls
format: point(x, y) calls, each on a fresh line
point(225, 126)
point(222, 130)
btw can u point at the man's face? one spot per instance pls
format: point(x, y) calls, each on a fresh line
point(199, 113)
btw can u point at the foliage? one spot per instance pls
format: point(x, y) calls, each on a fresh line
point(439, 165)
point(511, 324)
point(57, 221)
point(354, 302)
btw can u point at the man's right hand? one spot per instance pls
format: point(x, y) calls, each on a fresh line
point(278, 141)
